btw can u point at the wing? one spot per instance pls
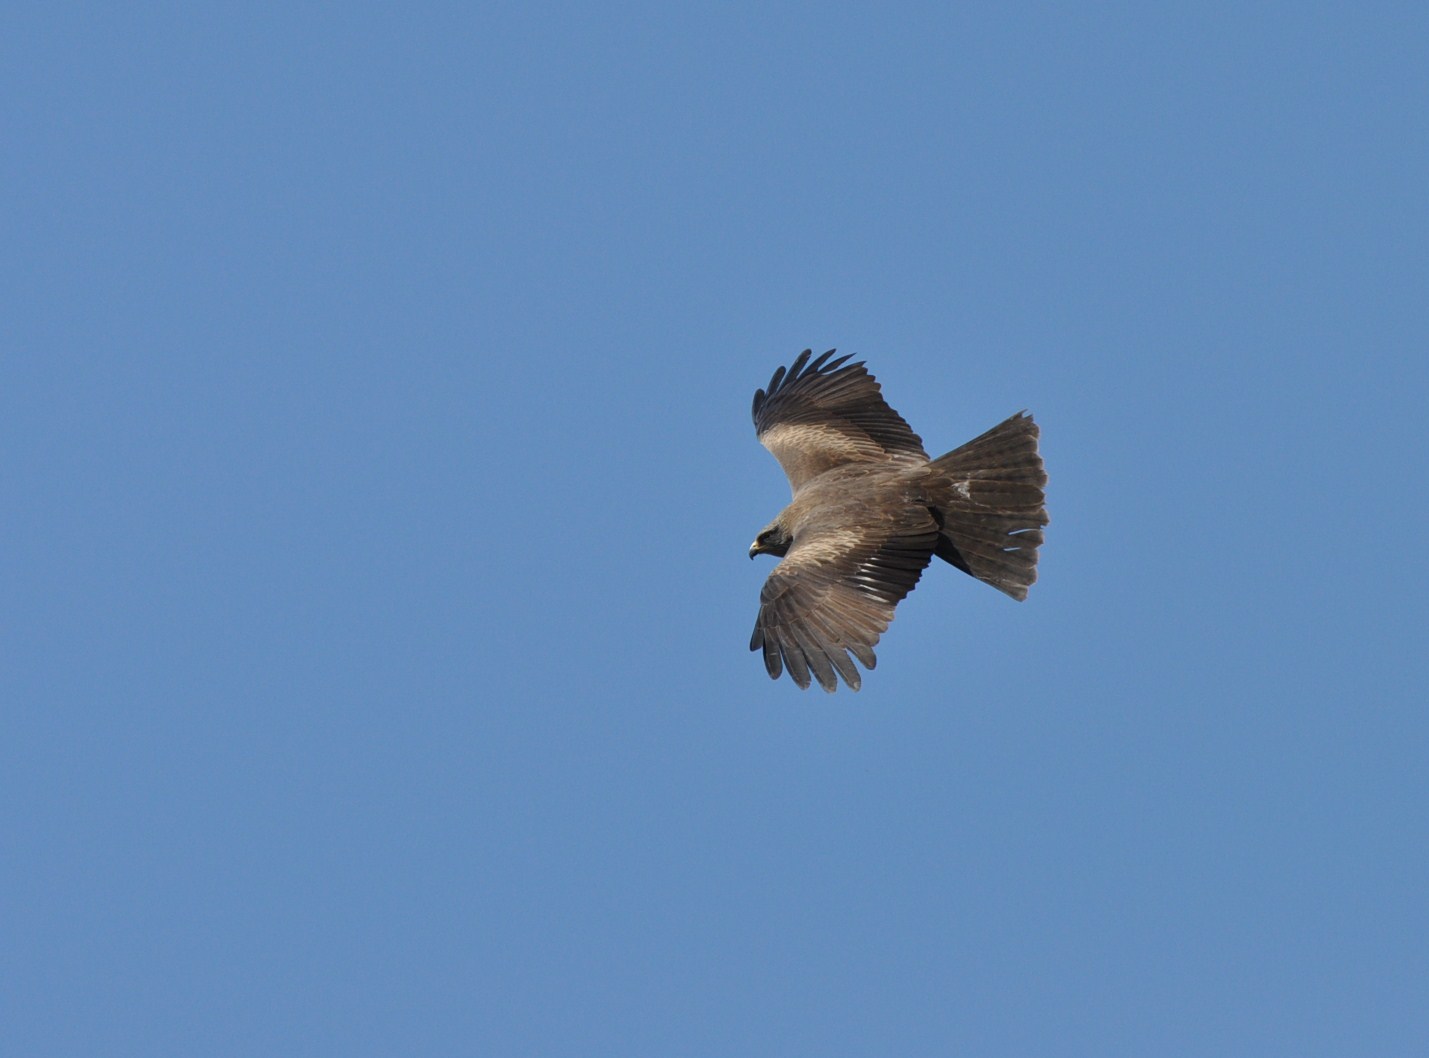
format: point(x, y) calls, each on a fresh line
point(834, 594)
point(824, 414)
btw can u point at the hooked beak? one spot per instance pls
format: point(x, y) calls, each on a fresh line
point(754, 549)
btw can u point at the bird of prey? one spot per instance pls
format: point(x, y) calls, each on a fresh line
point(870, 510)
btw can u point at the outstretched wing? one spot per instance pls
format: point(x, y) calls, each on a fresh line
point(834, 594)
point(824, 414)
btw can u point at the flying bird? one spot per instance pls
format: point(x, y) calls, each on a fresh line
point(871, 510)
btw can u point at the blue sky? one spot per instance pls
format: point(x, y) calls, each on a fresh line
point(379, 477)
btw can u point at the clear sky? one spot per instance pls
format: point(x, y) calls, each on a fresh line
point(378, 480)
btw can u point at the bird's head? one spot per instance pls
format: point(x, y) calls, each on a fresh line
point(773, 539)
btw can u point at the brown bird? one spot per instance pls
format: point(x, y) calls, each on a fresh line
point(870, 510)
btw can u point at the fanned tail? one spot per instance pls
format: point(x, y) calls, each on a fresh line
point(990, 507)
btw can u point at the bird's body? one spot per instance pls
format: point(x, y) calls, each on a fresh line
point(857, 494)
point(870, 510)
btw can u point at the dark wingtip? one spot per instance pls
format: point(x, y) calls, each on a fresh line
point(803, 368)
point(773, 663)
point(787, 377)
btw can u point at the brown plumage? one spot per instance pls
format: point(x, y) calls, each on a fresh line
point(870, 510)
